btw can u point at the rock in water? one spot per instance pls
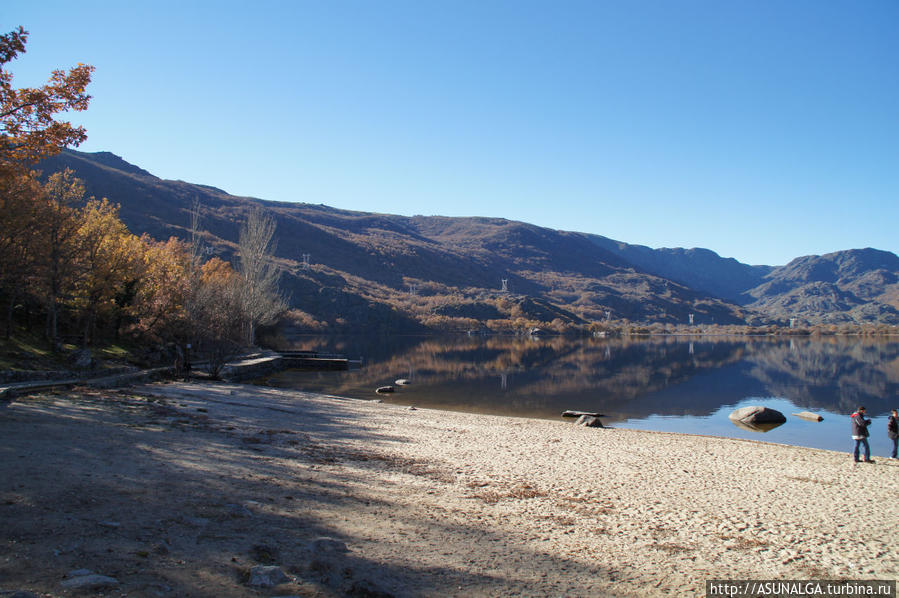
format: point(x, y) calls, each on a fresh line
point(756, 415)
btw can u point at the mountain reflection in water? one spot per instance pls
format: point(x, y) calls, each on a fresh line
point(682, 384)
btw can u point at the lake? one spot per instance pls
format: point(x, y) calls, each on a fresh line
point(671, 384)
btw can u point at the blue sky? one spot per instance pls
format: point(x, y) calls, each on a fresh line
point(763, 130)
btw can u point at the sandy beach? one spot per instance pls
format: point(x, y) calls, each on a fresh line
point(186, 489)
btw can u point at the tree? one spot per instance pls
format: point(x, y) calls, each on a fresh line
point(261, 299)
point(28, 131)
point(107, 264)
point(19, 225)
point(159, 306)
point(215, 301)
point(216, 305)
point(58, 242)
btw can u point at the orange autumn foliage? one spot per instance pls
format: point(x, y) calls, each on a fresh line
point(28, 130)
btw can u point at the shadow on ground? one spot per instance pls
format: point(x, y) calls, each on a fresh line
point(180, 490)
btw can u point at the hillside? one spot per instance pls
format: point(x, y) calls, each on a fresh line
point(382, 272)
point(701, 269)
point(837, 288)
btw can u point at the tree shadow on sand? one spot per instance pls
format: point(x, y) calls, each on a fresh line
point(183, 491)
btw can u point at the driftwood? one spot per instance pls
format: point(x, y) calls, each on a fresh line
point(809, 416)
point(571, 413)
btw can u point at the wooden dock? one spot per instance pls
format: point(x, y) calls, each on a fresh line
point(311, 360)
point(262, 365)
point(314, 360)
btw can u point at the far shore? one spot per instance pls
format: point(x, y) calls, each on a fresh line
point(189, 489)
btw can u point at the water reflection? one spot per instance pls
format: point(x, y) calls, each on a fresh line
point(667, 379)
point(761, 428)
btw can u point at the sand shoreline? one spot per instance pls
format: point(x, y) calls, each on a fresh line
point(197, 477)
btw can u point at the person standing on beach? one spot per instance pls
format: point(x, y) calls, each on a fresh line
point(860, 434)
point(893, 431)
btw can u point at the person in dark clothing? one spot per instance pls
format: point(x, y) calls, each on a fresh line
point(893, 432)
point(860, 434)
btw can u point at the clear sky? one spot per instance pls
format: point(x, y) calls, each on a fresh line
point(763, 130)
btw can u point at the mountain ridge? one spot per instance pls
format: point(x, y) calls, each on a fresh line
point(370, 270)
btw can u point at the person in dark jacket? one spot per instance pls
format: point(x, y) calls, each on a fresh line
point(860, 434)
point(893, 431)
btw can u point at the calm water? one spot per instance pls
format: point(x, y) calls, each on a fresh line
point(682, 384)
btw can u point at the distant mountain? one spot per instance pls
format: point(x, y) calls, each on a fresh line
point(858, 285)
point(701, 269)
point(395, 273)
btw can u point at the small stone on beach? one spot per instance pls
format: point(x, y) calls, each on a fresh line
point(589, 421)
point(267, 576)
point(84, 579)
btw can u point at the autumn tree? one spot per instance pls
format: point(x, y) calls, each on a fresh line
point(18, 223)
point(107, 265)
point(158, 309)
point(29, 132)
point(28, 129)
point(58, 243)
point(261, 298)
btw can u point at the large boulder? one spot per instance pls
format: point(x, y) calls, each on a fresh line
point(757, 419)
point(756, 415)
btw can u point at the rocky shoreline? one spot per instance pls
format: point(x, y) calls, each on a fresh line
point(222, 489)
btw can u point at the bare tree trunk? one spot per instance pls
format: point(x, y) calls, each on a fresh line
point(261, 297)
point(52, 303)
point(9, 311)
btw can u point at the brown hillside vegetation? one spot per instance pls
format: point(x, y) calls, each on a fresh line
point(354, 270)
